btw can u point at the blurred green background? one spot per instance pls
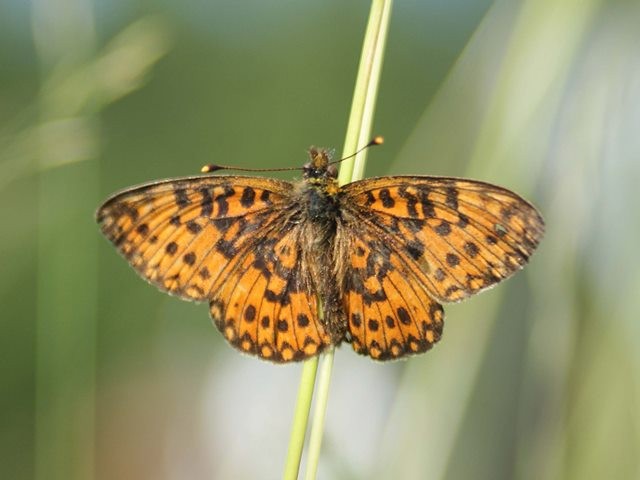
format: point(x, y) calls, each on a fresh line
point(105, 377)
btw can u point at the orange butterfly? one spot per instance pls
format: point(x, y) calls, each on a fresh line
point(380, 254)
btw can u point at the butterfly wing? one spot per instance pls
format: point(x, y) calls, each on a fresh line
point(418, 241)
point(390, 313)
point(264, 303)
point(179, 234)
point(225, 240)
point(457, 237)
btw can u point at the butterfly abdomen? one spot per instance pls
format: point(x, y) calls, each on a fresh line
point(319, 216)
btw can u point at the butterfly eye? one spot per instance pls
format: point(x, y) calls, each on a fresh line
point(309, 170)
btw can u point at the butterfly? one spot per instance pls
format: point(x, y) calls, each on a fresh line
point(289, 269)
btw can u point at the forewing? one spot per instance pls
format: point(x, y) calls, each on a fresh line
point(264, 301)
point(181, 234)
point(456, 237)
point(389, 310)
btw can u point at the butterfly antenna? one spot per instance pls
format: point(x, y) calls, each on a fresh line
point(212, 167)
point(378, 140)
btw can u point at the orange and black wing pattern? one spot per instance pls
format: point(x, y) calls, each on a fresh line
point(179, 234)
point(222, 240)
point(425, 240)
point(390, 314)
point(403, 245)
point(264, 302)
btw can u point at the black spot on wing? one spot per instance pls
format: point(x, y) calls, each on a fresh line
point(452, 259)
point(171, 248)
point(386, 198)
point(452, 198)
point(206, 202)
point(265, 197)
point(443, 229)
point(193, 227)
point(182, 199)
point(248, 197)
point(226, 248)
point(221, 200)
point(303, 320)
point(471, 248)
point(403, 316)
point(428, 208)
point(415, 249)
point(189, 258)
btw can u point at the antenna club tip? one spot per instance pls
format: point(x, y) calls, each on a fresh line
point(209, 168)
point(377, 140)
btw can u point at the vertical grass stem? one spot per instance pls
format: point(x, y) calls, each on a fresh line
point(358, 134)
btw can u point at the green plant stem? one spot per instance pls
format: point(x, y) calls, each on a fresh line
point(300, 418)
point(366, 91)
point(317, 426)
point(358, 133)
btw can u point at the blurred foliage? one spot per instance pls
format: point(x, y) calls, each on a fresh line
point(105, 377)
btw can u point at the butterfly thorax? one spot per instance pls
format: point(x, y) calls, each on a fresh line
point(320, 188)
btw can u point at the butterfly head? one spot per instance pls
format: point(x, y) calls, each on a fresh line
point(318, 170)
